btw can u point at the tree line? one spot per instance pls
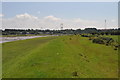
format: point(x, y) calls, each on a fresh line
point(65, 31)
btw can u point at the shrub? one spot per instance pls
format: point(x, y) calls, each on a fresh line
point(115, 48)
point(70, 38)
point(85, 35)
point(75, 73)
point(103, 40)
point(98, 40)
point(90, 39)
point(107, 39)
point(107, 44)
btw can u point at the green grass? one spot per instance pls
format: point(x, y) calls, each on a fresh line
point(59, 57)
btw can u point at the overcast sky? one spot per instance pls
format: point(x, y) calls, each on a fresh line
point(49, 15)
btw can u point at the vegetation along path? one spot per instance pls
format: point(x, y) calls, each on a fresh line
point(70, 56)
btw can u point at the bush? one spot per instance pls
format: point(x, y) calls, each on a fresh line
point(107, 39)
point(98, 40)
point(75, 73)
point(115, 48)
point(85, 35)
point(103, 40)
point(90, 39)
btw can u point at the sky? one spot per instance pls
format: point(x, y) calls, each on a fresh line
point(49, 15)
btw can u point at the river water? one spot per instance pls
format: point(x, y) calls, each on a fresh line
point(9, 39)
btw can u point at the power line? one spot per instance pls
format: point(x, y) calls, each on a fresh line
point(105, 25)
point(61, 26)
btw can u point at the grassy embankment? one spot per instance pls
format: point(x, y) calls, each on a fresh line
point(59, 57)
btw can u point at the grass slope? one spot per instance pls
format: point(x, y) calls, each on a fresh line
point(59, 57)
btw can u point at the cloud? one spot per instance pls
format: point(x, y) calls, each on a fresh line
point(78, 20)
point(21, 21)
point(26, 16)
point(1, 15)
point(52, 18)
point(113, 20)
point(28, 21)
point(38, 12)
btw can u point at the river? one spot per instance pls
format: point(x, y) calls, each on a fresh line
point(9, 39)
